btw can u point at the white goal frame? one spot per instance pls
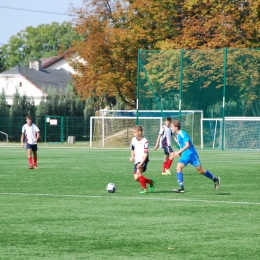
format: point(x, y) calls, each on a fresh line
point(141, 113)
point(103, 118)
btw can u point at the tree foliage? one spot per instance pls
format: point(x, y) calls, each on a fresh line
point(58, 104)
point(46, 40)
point(22, 106)
point(115, 30)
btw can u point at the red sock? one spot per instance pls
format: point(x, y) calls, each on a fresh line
point(35, 160)
point(164, 166)
point(169, 163)
point(30, 160)
point(142, 181)
point(148, 180)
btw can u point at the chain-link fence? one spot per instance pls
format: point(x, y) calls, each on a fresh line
point(52, 128)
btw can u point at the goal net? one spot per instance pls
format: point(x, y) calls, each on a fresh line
point(117, 132)
point(190, 120)
point(236, 133)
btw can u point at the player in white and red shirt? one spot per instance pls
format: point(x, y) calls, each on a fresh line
point(165, 136)
point(140, 157)
point(30, 134)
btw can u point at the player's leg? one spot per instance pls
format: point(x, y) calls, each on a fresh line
point(139, 177)
point(179, 169)
point(143, 180)
point(29, 155)
point(34, 151)
point(166, 158)
point(35, 166)
point(170, 160)
point(209, 175)
point(149, 181)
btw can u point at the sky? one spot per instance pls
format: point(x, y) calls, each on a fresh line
point(13, 17)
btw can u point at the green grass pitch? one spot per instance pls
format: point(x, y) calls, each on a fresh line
point(62, 210)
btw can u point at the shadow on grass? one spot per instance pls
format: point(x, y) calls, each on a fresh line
point(163, 191)
point(223, 194)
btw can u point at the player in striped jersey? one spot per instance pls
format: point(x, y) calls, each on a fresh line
point(165, 137)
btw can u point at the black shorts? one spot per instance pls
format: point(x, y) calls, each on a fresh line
point(33, 147)
point(167, 150)
point(144, 166)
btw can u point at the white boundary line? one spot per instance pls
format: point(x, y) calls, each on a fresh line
point(131, 198)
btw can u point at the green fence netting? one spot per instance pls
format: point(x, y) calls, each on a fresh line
point(224, 84)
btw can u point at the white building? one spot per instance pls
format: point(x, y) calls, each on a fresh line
point(35, 80)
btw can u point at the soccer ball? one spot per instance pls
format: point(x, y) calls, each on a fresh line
point(111, 187)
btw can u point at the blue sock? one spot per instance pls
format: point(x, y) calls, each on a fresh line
point(209, 175)
point(179, 176)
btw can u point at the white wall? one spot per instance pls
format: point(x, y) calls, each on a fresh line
point(10, 82)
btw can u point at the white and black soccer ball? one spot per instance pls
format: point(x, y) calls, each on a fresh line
point(111, 187)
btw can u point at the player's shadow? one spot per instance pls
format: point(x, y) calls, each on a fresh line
point(223, 194)
point(163, 191)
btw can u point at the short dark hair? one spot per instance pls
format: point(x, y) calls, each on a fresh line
point(29, 117)
point(168, 118)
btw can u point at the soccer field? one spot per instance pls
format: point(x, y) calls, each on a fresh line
point(62, 210)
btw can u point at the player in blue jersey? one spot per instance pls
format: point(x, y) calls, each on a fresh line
point(164, 137)
point(188, 155)
point(140, 157)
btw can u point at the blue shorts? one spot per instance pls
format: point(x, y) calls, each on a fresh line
point(32, 147)
point(192, 159)
point(144, 166)
point(167, 150)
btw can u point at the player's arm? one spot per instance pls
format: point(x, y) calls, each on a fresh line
point(37, 137)
point(157, 142)
point(132, 158)
point(186, 146)
point(22, 139)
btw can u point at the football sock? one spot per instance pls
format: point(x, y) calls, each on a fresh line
point(148, 180)
point(35, 160)
point(209, 175)
point(169, 163)
point(179, 176)
point(164, 165)
point(142, 181)
point(30, 160)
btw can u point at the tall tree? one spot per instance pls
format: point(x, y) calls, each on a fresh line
point(4, 109)
point(33, 43)
point(22, 106)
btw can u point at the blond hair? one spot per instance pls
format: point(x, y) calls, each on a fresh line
point(176, 123)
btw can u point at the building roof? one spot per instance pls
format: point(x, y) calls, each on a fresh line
point(44, 78)
point(46, 62)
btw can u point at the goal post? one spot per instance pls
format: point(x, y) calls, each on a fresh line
point(190, 119)
point(117, 131)
point(239, 133)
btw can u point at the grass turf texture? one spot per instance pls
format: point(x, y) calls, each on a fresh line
point(62, 210)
